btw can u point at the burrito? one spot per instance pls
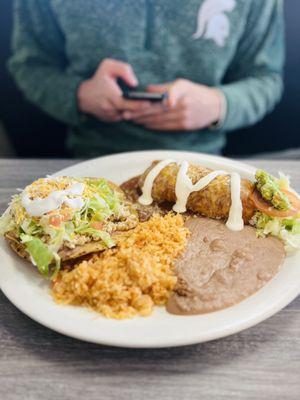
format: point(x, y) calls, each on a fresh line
point(213, 201)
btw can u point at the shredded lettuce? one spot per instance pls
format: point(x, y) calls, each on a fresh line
point(104, 236)
point(98, 208)
point(30, 227)
point(106, 193)
point(6, 222)
point(284, 181)
point(103, 204)
point(286, 229)
point(39, 252)
point(57, 234)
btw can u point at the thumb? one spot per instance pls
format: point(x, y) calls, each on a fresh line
point(170, 88)
point(175, 93)
point(124, 71)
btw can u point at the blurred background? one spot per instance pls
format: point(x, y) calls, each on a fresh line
point(24, 128)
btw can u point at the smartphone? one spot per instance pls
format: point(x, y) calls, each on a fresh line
point(153, 97)
point(131, 93)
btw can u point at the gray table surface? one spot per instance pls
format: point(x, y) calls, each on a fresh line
point(262, 362)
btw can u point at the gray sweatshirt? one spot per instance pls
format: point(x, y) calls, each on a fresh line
point(236, 45)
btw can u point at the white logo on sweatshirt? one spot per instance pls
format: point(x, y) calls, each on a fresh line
point(212, 22)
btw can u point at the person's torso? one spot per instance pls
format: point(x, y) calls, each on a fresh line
point(162, 40)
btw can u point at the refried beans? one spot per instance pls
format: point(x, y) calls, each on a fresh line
point(221, 267)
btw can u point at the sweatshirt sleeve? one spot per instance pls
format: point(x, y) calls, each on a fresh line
point(253, 84)
point(38, 62)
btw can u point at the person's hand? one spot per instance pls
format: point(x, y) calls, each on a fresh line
point(101, 96)
point(189, 106)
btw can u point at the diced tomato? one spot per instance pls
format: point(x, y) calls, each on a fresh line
point(57, 217)
point(265, 207)
point(97, 225)
point(55, 220)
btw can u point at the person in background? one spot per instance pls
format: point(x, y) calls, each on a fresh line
point(221, 62)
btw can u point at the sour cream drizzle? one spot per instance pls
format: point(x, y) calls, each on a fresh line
point(184, 187)
point(39, 207)
point(146, 197)
point(235, 220)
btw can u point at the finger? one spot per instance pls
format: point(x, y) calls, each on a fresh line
point(173, 89)
point(120, 69)
point(111, 116)
point(175, 94)
point(152, 110)
point(165, 126)
point(160, 116)
point(120, 104)
point(158, 119)
point(131, 105)
point(115, 91)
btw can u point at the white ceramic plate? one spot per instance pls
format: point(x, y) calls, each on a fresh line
point(30, 293)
